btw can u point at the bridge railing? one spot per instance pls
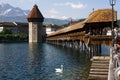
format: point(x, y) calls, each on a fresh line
point(89, 39)
point(116, 63)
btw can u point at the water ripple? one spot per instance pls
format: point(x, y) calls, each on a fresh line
point(23, 61)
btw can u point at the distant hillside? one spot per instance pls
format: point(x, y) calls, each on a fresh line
point(74, 21)
point(23, 19)
point(13, 19)
point(118, 22)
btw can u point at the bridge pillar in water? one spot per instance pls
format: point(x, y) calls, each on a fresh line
point(36, 30)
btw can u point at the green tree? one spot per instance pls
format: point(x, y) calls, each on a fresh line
point(6, 31)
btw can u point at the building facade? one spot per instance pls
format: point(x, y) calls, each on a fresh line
point(14, 27)
point(50, 28)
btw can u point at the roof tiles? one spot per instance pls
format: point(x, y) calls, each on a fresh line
point(101, 15)
point(35, 15)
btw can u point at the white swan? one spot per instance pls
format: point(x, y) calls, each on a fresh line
point(59, 70)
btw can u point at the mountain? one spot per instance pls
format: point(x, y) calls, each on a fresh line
point(7, 10)
point(9, 13)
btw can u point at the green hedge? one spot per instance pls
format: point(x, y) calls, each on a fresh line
point(13, 37)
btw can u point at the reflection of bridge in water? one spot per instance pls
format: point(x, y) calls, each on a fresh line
point(87, 35)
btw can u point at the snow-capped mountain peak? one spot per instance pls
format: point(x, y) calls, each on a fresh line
point(25, 13)
point(9, 11)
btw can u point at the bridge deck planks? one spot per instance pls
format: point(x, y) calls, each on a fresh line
point(99, 68)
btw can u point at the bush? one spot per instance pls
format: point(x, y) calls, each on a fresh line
point(6, 31)
point(13, 37)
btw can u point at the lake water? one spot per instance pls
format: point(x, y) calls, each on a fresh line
point(23, 61)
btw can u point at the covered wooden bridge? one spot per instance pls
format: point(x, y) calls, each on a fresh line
point(90, 31)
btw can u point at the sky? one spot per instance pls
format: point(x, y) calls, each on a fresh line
point(63, 9)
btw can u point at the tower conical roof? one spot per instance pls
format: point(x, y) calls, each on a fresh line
point(35, 15)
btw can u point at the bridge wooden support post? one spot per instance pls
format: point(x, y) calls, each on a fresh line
point(63, 43)
point(51, 42)
point(55, 42)
point(82, 46)
point(91, 50)
point(69, 43)
point(60, 43)
point(94, 49)
point(85, 47)
point(100, 49)
point(76, 44)
point(73, 44)
point(66, 43)
point(97, 49)
point(79, 46)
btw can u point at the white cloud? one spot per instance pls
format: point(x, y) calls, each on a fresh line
point(53, 11)
point(57, 17)
point(70, 4)
point(53, 16)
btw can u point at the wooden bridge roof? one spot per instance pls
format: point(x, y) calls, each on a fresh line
point(67, 29)
point(101, 15)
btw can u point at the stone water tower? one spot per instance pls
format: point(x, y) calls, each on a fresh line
point(36, 31)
